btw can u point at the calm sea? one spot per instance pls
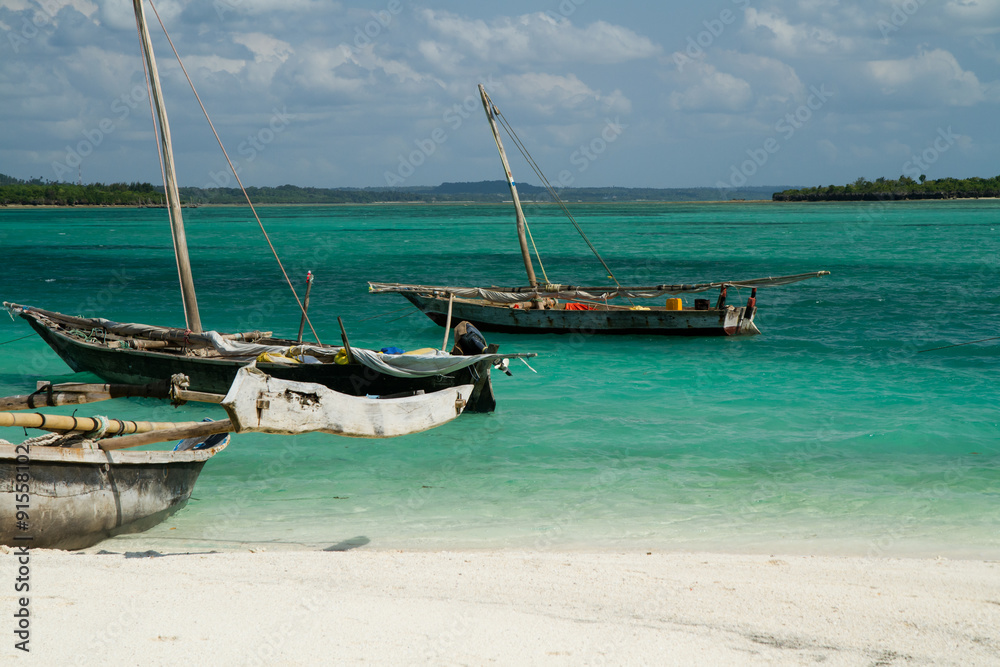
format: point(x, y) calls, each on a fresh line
point(833, 432)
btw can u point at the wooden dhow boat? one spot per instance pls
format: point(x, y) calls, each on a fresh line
point(542, 307)
point(140, 353)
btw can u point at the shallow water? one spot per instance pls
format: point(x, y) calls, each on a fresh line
point(829, 433)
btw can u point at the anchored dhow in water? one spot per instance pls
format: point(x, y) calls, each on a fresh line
point(541, 307)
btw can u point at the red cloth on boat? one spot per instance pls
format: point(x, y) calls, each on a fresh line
point(579, 306)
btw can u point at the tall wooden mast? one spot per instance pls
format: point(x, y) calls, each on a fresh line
point(170, 179)
point(488, 107)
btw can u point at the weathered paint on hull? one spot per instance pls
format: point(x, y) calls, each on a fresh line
point(79, 497)
point(216, 375)
point(723, 322)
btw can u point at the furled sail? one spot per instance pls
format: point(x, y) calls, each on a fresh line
point(522, 294)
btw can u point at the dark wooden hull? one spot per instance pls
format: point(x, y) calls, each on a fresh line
point(216, 375)
point(79, 497)
point(656, 321)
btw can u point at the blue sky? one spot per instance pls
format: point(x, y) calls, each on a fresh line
point(627, 93)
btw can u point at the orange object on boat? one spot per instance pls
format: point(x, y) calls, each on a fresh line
point(579, 306)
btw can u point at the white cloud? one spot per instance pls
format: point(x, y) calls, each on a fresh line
point(539, 37)
point(264, 47)
point(369, 60)
point(440, 56)
point(269, 54)
point(778, 33)
point(551, 94)
point(317, 69)
point(775, 84)
point(930, 78)
point(711, 90)
point(121, 15)
point(214, 64)
point(975, 10)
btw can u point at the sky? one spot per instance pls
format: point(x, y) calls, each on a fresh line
point(628, 93)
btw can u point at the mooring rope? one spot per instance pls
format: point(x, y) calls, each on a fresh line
point(17, 339)
point(945, 347)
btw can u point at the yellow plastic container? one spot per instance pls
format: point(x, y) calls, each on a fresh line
point(674, 304)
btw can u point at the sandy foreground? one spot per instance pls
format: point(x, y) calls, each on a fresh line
point(501, 607)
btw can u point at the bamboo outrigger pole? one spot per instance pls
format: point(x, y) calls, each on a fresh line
point(488, 107)
point(86, 424)
point(191, 314)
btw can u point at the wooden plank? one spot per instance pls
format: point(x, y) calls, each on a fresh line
point(180, 432)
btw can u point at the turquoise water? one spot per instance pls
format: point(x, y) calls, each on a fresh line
point(829, 433)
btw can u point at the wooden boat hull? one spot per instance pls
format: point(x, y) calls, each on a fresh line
point(216, 375)
point(79, 497)
point(728, 321)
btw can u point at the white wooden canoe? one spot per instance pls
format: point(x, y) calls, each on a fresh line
point(259, 402)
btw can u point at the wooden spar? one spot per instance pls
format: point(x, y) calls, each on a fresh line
point(82, 424)
point(79, 394)
point(447, 323)
point(343, 338)
point(191, 315)
point(182, 431)
point(305, 305)
point(522, 239)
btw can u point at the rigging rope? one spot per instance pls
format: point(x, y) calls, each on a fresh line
point(945, 347)
point(237, 176)
point(17, 339)
point(537, 256)
point(548, 186)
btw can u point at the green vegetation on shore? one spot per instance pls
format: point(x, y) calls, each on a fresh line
point(36, 192)
point(902, 188)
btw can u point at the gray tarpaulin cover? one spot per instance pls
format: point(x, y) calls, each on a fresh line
point(435, 362)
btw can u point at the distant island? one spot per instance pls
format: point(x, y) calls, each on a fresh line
point(902, 188)
point(36, 192)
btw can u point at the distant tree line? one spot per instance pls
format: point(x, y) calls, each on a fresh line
point(481, 192)
point(36, 192)
point(902, 188)
point(293, 194)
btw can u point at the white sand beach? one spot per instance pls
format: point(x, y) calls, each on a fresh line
point(503, 607)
